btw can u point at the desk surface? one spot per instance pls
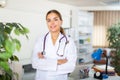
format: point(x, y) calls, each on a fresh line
point(92, 78)
point(75, 75)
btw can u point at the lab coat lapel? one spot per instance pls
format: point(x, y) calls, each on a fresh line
point(50, 48)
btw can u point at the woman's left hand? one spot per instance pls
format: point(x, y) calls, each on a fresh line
point(61, 61)
point(40, 55)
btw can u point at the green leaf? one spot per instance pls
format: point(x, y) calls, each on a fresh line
point(10, 25)
point(1, 39)
point(16, 31)
point(5, 56)
point(9, 46)
point(14, 58)
point(1, 26)
point(15, 25)
point(8, 77)
point(25, 30)
point(17, 44)
point(2, 77)
point(8, 30)
point(5, 65)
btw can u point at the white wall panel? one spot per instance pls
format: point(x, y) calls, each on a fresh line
point(31, 14)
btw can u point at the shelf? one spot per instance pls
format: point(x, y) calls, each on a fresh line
point(84, 36)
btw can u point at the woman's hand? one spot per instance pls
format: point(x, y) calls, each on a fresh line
point(61, 61)
point(40, 55)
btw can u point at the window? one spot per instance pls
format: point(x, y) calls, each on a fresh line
point(103, 20)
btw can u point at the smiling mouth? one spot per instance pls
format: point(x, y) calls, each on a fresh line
point(52, 26)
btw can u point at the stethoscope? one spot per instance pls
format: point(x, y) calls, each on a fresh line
point(66, 42)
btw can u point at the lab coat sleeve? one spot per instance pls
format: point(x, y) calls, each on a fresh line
point(42, 64)
point(71, 56)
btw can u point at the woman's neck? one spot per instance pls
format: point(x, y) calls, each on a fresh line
point(54, 37)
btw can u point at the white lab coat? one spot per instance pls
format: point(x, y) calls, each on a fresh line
point(47, 69)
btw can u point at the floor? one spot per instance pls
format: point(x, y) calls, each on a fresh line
point(30, 75)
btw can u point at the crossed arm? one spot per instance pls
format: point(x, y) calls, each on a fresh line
point(59, 61)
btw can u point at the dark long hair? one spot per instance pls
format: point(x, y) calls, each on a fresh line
point(59, 15)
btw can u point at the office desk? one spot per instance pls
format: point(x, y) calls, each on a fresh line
point(75, 75)
point(92, 78)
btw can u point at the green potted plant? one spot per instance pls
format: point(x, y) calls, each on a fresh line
point(114, 43)
point(8, 45)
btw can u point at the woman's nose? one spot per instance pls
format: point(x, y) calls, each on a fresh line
point(52, 22)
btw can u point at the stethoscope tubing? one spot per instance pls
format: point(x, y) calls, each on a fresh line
point(44, 43)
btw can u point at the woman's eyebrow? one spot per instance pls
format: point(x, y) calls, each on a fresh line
point(53, 18)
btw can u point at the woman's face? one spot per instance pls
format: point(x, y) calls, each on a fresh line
point(54, 23)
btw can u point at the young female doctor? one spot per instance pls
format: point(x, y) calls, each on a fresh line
point(54, 54)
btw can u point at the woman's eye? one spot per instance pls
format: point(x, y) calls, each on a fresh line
point(48, 20)
point(56, 19)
